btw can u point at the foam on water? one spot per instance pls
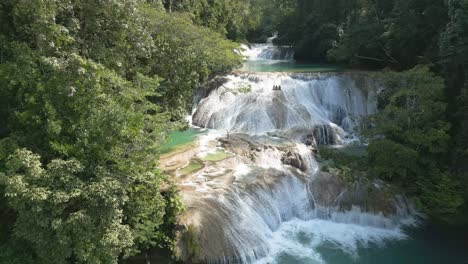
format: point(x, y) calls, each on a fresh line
point(242, 170)
point(270, 158)
point(301, 239)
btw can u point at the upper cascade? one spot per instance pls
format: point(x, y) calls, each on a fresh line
point(267, 52)
point(279, 102)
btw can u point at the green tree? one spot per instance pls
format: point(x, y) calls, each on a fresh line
point(454, 54)
point(88, 92)
point(410, 139)
point(98, 127)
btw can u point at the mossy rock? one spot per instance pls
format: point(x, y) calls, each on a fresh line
point(192, 167)
point(216, 156)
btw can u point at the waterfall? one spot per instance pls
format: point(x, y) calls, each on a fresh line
point(269, 199)
point(267, 52)
point(327, 104)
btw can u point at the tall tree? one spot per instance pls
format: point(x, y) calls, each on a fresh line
point(410, 140)
point(88, 91)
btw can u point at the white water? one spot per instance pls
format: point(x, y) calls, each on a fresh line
point(267, 222)
point(267, 52)
point(331, 104)
point(276, 218)
point(300, 239)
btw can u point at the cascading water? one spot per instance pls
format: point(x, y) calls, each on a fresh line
point(268, 202)
point(267, 52)
point(328, 104)
point(266, 55)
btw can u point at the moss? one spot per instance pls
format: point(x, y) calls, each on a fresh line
point(193, 166)
point(192, 246)
point(243, 88)
point(247, 88)
point(347, 163)
point(217, 156)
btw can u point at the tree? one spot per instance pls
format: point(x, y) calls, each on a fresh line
point(88, 92)
point(410, 140)
point(397, 33)
point(60, 215)
point(99, 127)
point(454, 54)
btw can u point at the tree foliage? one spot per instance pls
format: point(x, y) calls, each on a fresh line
point(410, 140)
point(88, 92)
point(232, 18)
point(399, 33)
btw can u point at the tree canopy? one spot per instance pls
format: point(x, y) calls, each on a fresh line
point(88, 92)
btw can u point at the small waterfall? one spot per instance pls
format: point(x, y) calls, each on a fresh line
point(267, 52)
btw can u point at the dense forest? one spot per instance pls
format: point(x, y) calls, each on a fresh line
point(89, 90)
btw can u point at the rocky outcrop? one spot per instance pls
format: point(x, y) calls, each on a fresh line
point(295, 160)
point(205, 90)
point(253, 147)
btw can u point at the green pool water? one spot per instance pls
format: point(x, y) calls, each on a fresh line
point(289, 66)
point(192, 167)
point(179, 139)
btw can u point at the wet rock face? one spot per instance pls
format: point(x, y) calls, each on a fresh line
point(331, 191)
point(325, 135)
point(310, 141)
point(240, 145)
point(230, 226)
point(210, 86)
point(294, 159)
point(231, 216)
point(251, 147)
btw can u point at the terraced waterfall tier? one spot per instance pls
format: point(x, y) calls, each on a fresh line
point(329, 104)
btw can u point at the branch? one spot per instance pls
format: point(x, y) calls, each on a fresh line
point(388, 53)
point(375, 59)
point(370, 58)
